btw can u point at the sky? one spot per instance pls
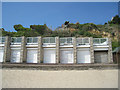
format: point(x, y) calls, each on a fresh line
point(54, 14)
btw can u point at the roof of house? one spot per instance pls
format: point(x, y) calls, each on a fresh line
point(116, 50)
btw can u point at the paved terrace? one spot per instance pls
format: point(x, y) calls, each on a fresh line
point(59, 66)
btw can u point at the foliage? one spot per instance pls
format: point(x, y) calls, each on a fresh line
point(66, 23)
point(115, 44)
point(41, 29)
point(18, 27)
point(115, 20)
point(70, 30)
point(2, 29)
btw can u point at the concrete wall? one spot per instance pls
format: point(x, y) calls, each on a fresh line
point(20, 78)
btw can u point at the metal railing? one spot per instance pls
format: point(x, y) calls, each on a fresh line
point(66, 41)
point(16, 40)
point(100, 41)
point(49, 40)
point(32, 40)
point(52, 40)
point(83, 41)
point(2, 40)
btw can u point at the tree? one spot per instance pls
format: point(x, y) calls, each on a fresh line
point(18, 27)
point(115, 20)
point(66, 23)
point(41, 29)
point(2, 29)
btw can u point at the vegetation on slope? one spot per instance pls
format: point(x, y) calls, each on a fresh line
point(109, 29)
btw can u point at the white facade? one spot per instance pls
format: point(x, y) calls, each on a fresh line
point(83, 55)
point(15, 55)
point(1, 54)
point(49, 55)
point(32, 55)
point(66, 55)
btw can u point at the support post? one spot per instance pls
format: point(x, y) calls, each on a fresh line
point(7, 50)
point(91, 50)
point(110, 56)
point(23, 51)
point(57, 50)
point(75, 49)
point(40, 50)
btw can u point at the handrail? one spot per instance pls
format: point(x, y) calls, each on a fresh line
point(49, 40)
point(16, 40)
point(66, 40)
point(83, 41)
point(100, 41)
point(52, 40)
point(2, 40)
point(32, 40)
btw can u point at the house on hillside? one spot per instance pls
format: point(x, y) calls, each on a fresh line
point(54, 50)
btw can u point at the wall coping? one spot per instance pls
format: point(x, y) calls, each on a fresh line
point(39, 66)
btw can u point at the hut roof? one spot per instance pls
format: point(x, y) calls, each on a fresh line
point(117, 50)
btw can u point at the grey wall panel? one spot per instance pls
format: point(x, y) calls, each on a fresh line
point(101, 56)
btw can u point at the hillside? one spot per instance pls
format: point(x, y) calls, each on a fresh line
point(90, 29)
point(110, 29)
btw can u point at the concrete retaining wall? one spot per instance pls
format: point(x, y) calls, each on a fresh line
point(20, 78)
